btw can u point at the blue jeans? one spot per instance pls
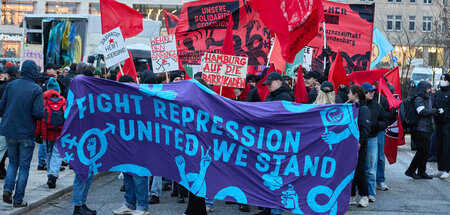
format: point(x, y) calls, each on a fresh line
point(209, 202)
point(136, 190)
point(380, 163)
point(156, 186)
point(53, 159)
point(42, 154)
point(20, 153)
point(370, 166)
point(81, 189)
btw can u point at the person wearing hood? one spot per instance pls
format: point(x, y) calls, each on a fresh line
point(9, 75)
point(421, 132)
point(442, 103)
point(67, 78)
point(279, 90)
point(21, 105)
point(50, 127)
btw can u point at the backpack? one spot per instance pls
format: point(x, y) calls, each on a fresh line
point(411, 115)
point(54, 117)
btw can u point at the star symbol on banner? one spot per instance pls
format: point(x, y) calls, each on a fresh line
point(68, 157)
point(111, 41)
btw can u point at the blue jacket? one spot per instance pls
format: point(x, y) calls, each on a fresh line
point(22, 104)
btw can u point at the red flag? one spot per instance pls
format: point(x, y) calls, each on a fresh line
point(171, 22)
point(369, 76)
point(301, 96)
point(128, 68)
point(393, 77)
point(115, 14)
point(384, 90)
point(263, 91)
point(244, 92)
point(276, 57)
point(393, 138)
point(295, 22)
point(227, 92)
point(337, 74)
point(228, 47)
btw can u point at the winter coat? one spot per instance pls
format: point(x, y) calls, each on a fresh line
point(442, 100)
point(312, 95)
point(423, 106)
point(379, 118)
point(364, 123)
point(284, 93)
point(253, 96)
point(390, 114)
point(52, 99)
point(22, 104)
point(43, 81)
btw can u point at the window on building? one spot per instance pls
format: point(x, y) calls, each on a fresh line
point(398, 1)
point(13, 11)
point(443, 25)
point(390, 1)
point(428, 1)
point(155, 12)
point(61, 8)
point(94, 8)
point(398, 23)
point(412, 1)
point(367, 0)
point(390, 23)
point(427, 21)
point(444, 2)
point(412, 23)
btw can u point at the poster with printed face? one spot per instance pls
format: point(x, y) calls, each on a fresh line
point(113, 47)
point(224, 70)
point(164, 53)
point(348, 28)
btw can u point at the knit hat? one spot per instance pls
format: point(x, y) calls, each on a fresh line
point(174, 75)
point(88, 73)
point(126, 79)
point(53, 85)
point(97, 72)
point(8, 64)
point(12, 71)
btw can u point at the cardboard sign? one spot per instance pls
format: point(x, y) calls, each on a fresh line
point(224, 70)
point(113, 47)
point(164, 54)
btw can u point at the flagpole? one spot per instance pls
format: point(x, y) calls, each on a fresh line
point(270, 52)
point(106, 73)
point(167, 77)
point(120, 67)
point(220, 93)
point(325, 46)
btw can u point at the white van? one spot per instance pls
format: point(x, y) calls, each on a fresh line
point(422, 73)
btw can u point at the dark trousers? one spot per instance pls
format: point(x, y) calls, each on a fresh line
point(422, 141)
point(443, 146)
point(196, 205)
point(179, 190)
point(359, 181)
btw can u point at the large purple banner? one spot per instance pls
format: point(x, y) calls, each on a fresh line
point(300, 158)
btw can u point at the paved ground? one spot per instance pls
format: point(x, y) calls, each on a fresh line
point(407, 196)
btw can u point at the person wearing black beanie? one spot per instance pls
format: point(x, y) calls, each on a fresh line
point(126, 79)
point(175, 77)
point(88, 72)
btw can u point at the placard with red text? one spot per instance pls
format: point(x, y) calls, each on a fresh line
point(164, 53)
point(224, 70)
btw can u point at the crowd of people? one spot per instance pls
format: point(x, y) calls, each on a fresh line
point(32, 107)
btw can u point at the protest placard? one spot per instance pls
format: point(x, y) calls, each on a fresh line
point(164, 54)
point(113, 47)
point(224, 70)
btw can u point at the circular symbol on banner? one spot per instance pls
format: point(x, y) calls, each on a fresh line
point(334, 115)
point(394, 52)
point(375, 52)
point(394, 59)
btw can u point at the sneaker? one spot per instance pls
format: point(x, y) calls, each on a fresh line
point(363, 202)
point(20, 204)
point(382, 186)
point(83, 210)
point(244, 208)
point(208, 209)
point(372, 198)
point(424, 176)
point(7, 197)
point(42, 167)
point(51, 182)
point(139, 212)
point(445, 175)
point(154, 200)
point(352, 200)
point(412, 174)
point(123, 210)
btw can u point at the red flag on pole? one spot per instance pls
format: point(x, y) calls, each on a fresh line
point(393, 77)
point(115, 14)
point(384, 90)
point(171, 22)
point(295, 22)
point(337, 74)
point(128, 68)
point(228, 47)
point(369, 76)
point(393, 138)
point(263, 91)
point(301, 96)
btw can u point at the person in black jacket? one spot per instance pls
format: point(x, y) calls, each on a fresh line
point(442, 102)
point(311, 78)
point(356, 94)
point(279, 90)
point(379, 122)
point(421, 132)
